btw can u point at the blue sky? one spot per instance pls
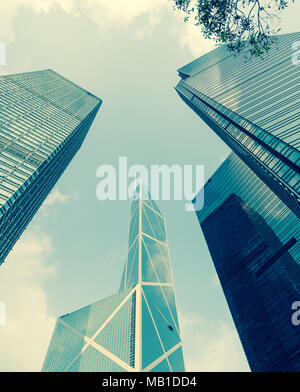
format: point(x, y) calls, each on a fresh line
point(73, 251)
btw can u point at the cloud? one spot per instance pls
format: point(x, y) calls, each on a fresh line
point(211, 349)
point(105, 13)
point(25, 337)
point(56, 197)
point(122, 12)
point(2, 53)
point(190, 37)
point(110, 14)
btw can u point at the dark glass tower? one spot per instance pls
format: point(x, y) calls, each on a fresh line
point(44, 119)
point(253, 238)
point(254, 108)
point(136, 329)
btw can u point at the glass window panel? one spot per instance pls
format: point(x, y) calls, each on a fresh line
point(153, 224)
point(162, 316)
point(160, 259)
point(151, 347)
point(176, 360)
point(148, 272)
point(161, 367)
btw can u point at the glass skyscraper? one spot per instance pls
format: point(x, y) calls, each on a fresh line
point(254, 107)
point(136, 329)
point(250, 217)
point(253, 239)
point(44, 119)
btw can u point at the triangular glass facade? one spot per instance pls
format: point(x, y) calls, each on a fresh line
point(136, 329)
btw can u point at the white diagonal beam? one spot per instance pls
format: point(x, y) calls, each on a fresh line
point(113, 313)
point(151, 208)
point(99, 330)
point(154, 239)
point(161, 358)
point(97, 346)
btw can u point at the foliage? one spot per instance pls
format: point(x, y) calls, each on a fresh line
point(244, 25)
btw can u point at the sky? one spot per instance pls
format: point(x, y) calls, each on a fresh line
point(73, 251)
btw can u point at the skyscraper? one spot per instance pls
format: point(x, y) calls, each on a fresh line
point(254, 108)
point(136, 329)
point(250, 218)
point(44, 119)
point(253, 238)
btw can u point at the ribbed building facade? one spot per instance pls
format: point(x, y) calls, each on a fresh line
point(253, 106)
point(136, 329)
point(44, 119)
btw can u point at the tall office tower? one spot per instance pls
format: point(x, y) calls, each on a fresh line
point(44, 119)
point(253, 238)
point(136, 329)
point(253, 106)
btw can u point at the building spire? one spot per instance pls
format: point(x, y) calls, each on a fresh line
point(148, 255)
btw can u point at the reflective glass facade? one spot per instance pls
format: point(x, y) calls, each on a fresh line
point(254, 107)
point(253, 238)
point(44, 119)
point(136, 329)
